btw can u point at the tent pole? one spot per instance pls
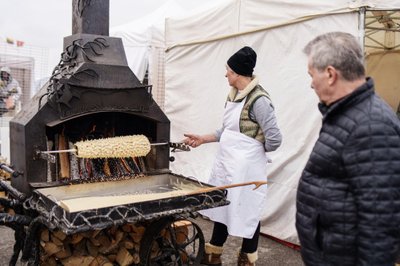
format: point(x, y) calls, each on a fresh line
point(361, 28)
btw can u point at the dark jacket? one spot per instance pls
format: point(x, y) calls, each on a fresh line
point(348, 199)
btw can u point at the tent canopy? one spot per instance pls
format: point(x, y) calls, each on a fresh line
point(198, 46)
point(142, 35)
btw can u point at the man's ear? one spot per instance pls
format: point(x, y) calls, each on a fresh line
point(332, 74)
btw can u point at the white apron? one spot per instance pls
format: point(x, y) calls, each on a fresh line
point(239, 159)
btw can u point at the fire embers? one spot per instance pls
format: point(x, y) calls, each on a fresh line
point(110, 168)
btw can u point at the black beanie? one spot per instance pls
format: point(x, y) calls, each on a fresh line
point(243, 61)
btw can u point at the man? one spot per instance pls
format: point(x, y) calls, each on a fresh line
point(10, 92)
point(249, 129)
point(348, 199)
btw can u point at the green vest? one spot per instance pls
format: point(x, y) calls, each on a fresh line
point(248, 126)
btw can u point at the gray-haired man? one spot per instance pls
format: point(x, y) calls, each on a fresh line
point(348, 199)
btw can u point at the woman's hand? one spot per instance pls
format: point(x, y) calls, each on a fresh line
point(196, 140)
point(193, 140)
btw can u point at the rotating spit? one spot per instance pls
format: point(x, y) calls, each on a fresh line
point(124, 146)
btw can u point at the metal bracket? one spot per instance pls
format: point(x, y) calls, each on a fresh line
point(180, 146)
point(176, 146)
point(46, 156)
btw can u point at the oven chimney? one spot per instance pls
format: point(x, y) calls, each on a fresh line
point(91, 17)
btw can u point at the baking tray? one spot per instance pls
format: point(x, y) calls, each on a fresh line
point(144, 198)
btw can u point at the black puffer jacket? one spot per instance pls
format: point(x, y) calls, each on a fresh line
point(348, 199)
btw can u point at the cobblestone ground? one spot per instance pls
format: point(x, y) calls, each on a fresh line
point(271, 253)
point(6, 245)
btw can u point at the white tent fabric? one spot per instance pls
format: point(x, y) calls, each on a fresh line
point(198, 47)
point(144, 45)
point(138, 36)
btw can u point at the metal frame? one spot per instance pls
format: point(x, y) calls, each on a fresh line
point(373, 22)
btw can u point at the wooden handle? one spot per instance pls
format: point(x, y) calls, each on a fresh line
point(208, 189)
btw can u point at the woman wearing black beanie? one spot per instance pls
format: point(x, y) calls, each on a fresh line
point(249, 130)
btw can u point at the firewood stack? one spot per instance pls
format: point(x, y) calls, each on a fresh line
point(117, 245)
point(111, 246)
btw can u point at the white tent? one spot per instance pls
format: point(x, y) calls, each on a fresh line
point(144, 45)
point(198, 46)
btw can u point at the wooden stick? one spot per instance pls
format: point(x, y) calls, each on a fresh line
point(208, 189)
point(101, 201)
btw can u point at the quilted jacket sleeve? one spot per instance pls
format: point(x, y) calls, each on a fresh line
point(372, 161)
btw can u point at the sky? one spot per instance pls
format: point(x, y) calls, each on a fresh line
point(42, 25)
point(45, 23)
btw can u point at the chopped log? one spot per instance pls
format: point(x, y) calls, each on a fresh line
point(114, 243)
point(128, 244)
point(126, 228)
point(87, 234)
point(137, 233)
point(181, 230)
point(103, 240)
point(56, 241)
point(94, 263)
point(95, 242)
point(95, 233)
point(101, 261)
point(112, 257)
point(77, 260)
point(136, 258)
point(124, 257)
point(91, 234)
point(45, 235)
point(113, 230)
point(64, 253)
point(76, 238)
point(49, 262)
point(92, 249)
point(50, 248)
point(59, 234)
point(138, 229)
point(80, 249)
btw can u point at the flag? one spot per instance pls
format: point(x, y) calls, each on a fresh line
point(20, 43)
point(10, 40)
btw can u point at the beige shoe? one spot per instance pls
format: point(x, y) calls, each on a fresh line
point(212, 255)
point(247, 259)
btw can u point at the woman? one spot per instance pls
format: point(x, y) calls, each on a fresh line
point(249, 130)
